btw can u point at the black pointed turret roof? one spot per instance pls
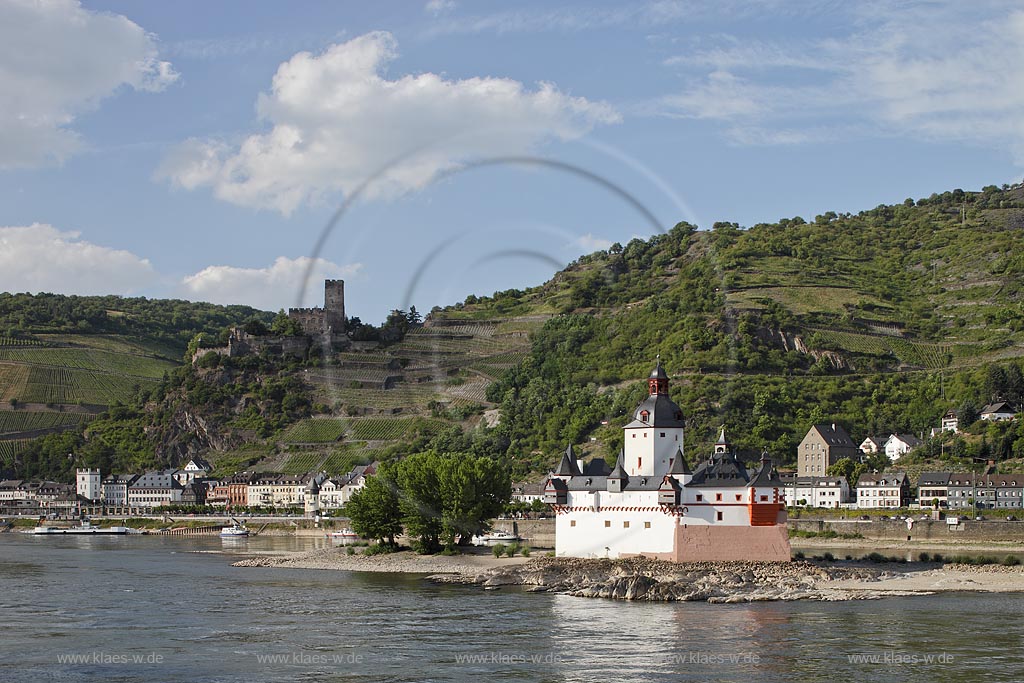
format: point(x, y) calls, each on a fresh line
point(619, 472)
point(679, 464)
point(568, 467)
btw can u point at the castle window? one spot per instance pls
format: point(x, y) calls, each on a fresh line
point(738, 497)
point(647, 525)
point(644, 415)
point(572, 522)
point(718, 516)
point(699, 497)
point(625, 525)
point(639, 463)
point(607, 523)
point(765, 498)
point(718, 496)
point(663, 435)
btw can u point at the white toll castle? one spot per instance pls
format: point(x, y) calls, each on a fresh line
point(654, 505)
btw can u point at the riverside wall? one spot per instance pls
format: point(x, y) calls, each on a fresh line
point(924, 530)
point(538, 533)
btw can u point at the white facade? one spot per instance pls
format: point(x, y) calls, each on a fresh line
point(870, 445)
point(899, 444)
point(882, 491)
point(88, 484)
point(819, 492)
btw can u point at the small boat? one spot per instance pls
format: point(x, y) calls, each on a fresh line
point(234, 531)
point(85, 528)
point(495, 537)
point(345, 535)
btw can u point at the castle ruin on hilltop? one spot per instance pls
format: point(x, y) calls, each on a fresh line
point(326, 321)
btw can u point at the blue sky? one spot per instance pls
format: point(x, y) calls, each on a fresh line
point(198, 150)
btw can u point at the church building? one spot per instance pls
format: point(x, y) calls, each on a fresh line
point(654, 504)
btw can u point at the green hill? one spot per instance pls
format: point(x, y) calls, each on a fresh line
point(880, 320)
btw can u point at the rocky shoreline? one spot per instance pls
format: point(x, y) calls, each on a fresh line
point(642, 579)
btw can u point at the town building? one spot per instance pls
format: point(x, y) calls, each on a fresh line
point(883, 490)
point(819, 492)
point(88, 484)
point(115, 489)
point(195, 468)
point(950, 422)
point(933, 489)
point(154, 489)
point(898, 445)
point(653, 504)
point(527, 492)
point(822, 447)
point(986, 491)
point(998, 412)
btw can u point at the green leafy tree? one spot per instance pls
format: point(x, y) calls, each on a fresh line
point(375, 511)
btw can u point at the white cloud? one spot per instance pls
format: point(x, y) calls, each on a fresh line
point(931, 70)
point(438, 7)
point(41, 258)
point(589, 243)
point(271, 288)
point(57, 60)
point(335, 118)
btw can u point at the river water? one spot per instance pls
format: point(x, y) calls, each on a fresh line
point(173, 609)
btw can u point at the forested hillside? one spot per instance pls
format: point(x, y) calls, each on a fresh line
point(880, 320)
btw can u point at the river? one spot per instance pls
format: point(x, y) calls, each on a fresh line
point(147, 608)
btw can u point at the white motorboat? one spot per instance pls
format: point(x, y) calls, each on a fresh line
point(495, 537)
point(234, 531)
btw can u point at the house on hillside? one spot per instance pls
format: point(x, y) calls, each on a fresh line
point(899, 444)
point(871, 445)
point(998, 412)
point(883, 490)
point(821, 448)
point(950, 422)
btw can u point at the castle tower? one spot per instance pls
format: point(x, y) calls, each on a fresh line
point(334, 306)
point(88, 483)
point(656, 432)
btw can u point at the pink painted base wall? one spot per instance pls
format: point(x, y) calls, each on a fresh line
point(707, 543)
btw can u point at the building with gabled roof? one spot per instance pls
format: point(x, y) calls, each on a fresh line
point(898, 445)
point(998, 412)
point(823, 446)
point(655, 504)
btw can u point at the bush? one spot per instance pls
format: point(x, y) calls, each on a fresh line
point(525, 552)
point(798, 555)
point(350, 550)
point(829, 557)
point(498, 549)
point(379, 549)
point(924, 557)
point(512, 549)
point(1011, 561)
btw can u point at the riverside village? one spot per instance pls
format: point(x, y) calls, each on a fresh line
point(660, 500)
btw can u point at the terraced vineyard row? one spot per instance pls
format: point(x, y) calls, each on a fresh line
point(315, 430)
point(18, 342)
point(342, 460)
point(300, 463)
point(23, 420)
point(89, 359)
point(12, 381)
point(384, 429)
point(10, 449)
point(71, 385)
point(916, 354)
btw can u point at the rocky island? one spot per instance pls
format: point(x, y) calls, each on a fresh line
point(643, 579)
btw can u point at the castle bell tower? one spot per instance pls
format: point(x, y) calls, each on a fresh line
point(334, 306)
point(653, 438)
